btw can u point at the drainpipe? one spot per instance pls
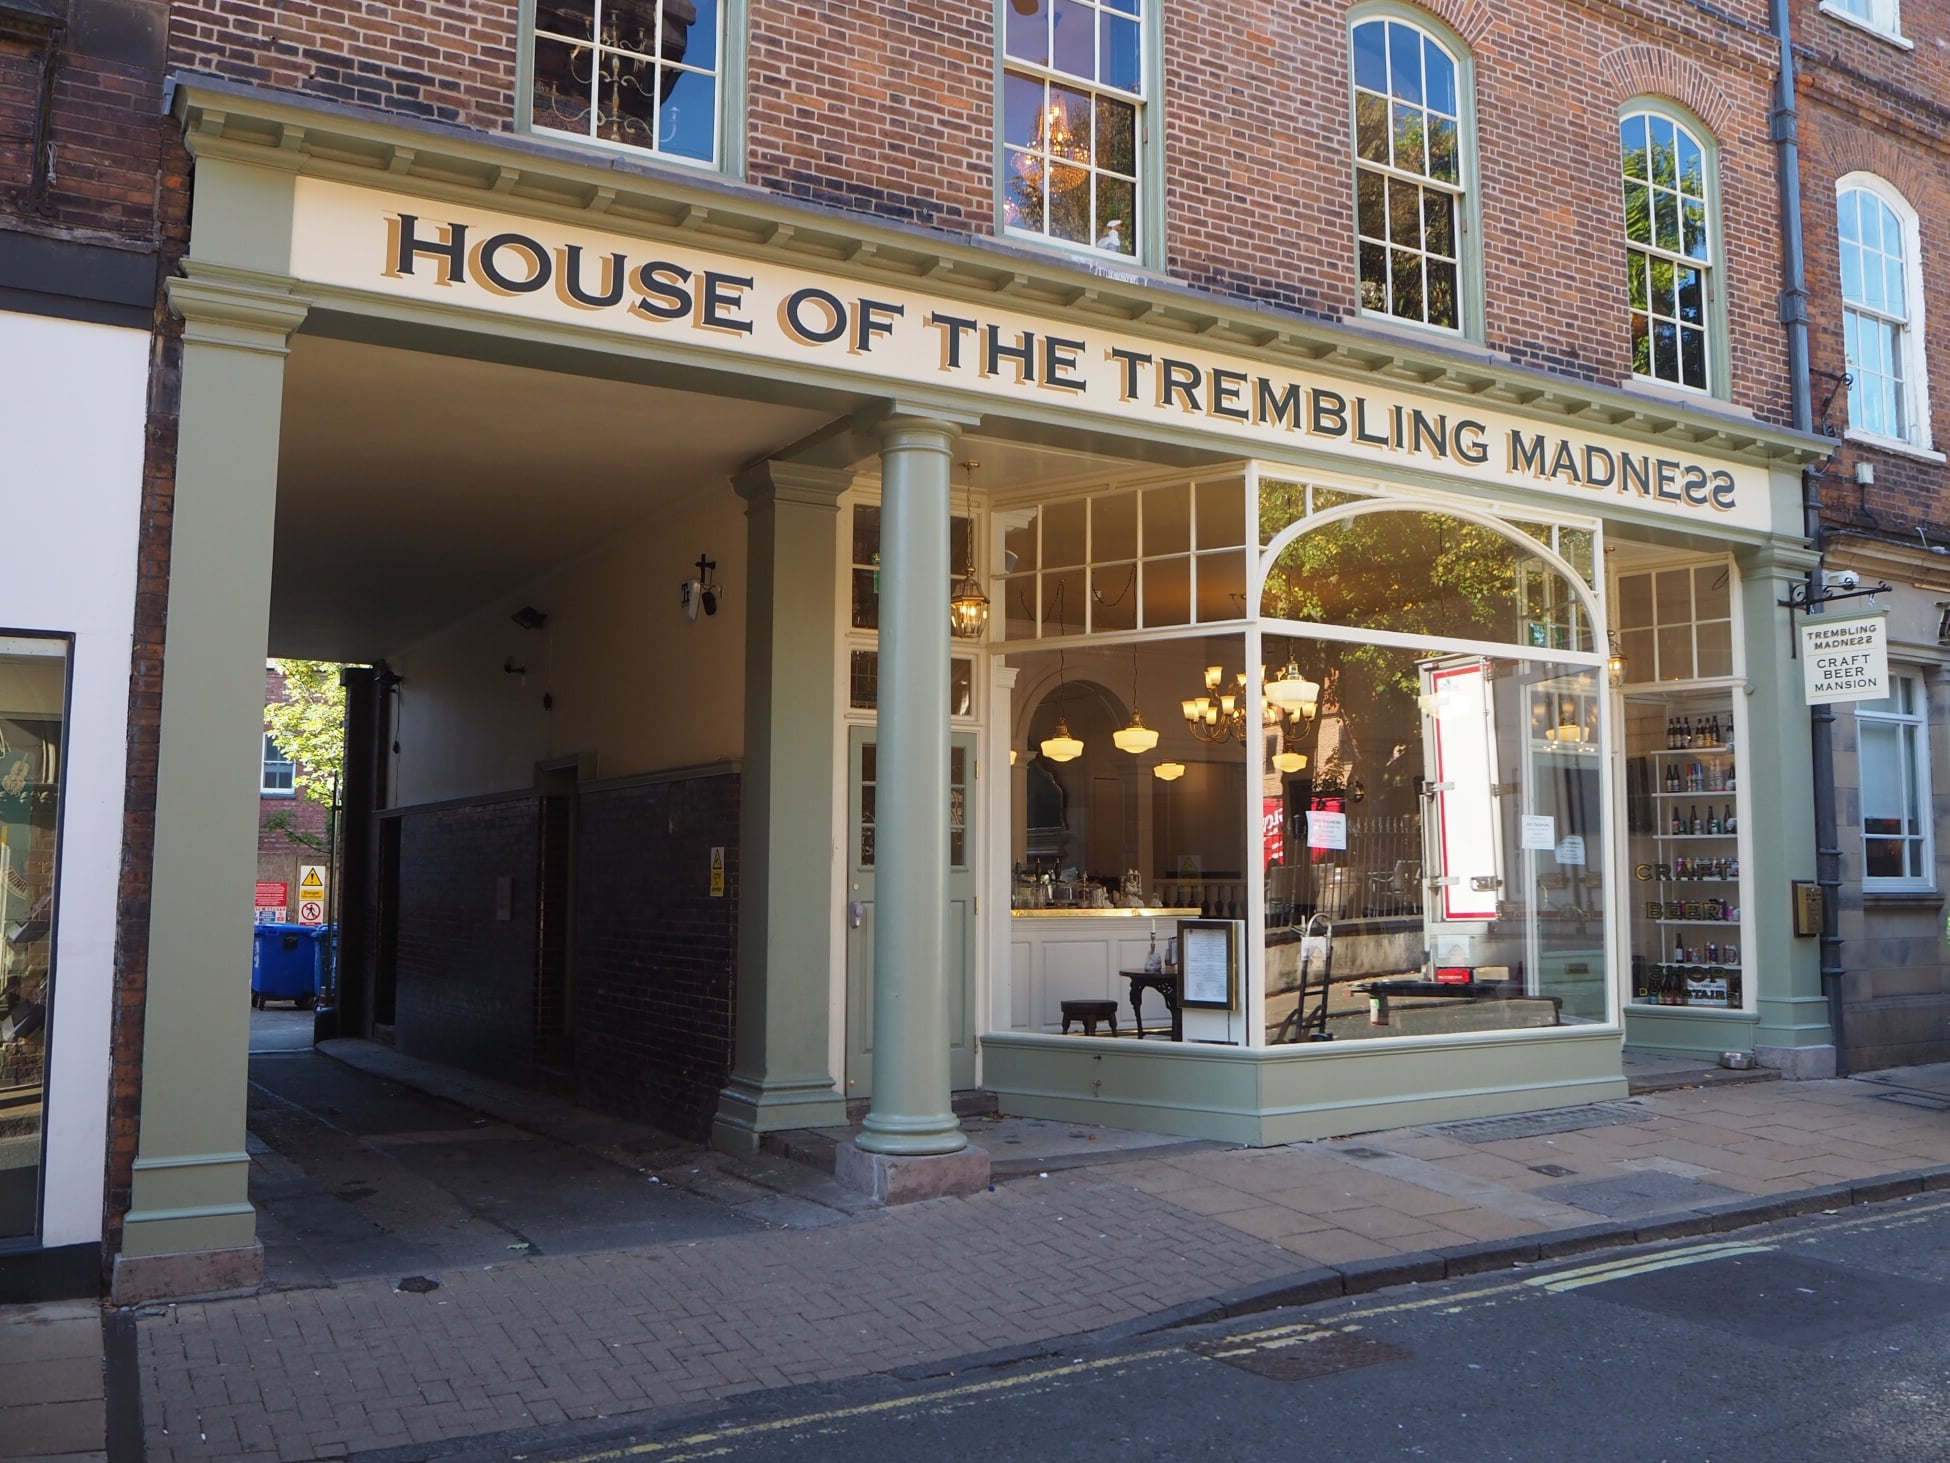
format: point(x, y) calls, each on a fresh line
point(1785, 130)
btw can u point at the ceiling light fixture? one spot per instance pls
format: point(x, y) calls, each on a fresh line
point(1137, 738)
point(968, 607)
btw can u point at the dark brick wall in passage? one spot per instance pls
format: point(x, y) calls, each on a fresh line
point(655, 954)
point(466, 975)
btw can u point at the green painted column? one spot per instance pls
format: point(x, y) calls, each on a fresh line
point(781, 1073)
point(188, 1200)
point(912, 1112)
point(1775, 768)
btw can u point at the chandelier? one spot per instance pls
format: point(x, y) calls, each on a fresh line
point(1220, 716)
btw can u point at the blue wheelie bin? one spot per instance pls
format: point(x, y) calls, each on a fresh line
point(287, 962)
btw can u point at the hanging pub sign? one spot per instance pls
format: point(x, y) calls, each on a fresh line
point(1844, 660)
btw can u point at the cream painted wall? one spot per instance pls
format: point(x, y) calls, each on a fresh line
point(72, 403)
point(633, 682)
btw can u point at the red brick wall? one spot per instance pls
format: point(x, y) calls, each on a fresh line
point(888, 109)
point(1869, 106)
point(453, 62)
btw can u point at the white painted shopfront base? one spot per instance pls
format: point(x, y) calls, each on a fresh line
point(1294, 1094)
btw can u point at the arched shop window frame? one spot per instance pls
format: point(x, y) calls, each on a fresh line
point(1588, 598)
point(1466, 190)
point(730, 72)
point(1717, 377)
point(1146, 245)
point(1913, 390)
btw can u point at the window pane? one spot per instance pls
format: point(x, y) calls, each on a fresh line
point(1638, 213)
point(1116, 215)
point(1632, 142)
point(1221, 514)
point(1692, 358)
point(1440, 73)
point(1692, 296)
point(1371, 128)
point(1666, 220)
point(1849, 222)
point(1114, 597)
point(1411, 128)
point(1443, 309)
point(1063, 596)
point(695, 43)
point(1116, 141)
point(1406, 280)
point(560, 101)
point(1371, 191)
point(1635, 599)
point(690, 115)
point(1121, 57)
point(1443, 156)
point(1371, 56)
point(1113, 527)
point(1438, 219)
point(1676, 653)
point(1167, 520)
point(1713, 592)
point(1076, 39)
point(1222, 586)
point(33, 697)
point(1675, 601)
point(1716, 648)
point(1694, 225)
point(1374, 277)
point(1167, 592)
point(1022, 109)
point(1027, 34)
point(1404, 214)
point(1069, 204)
point(1692, 168)
point(1405, 62)
point(1063, 525)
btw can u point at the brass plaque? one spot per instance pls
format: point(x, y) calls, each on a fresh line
point(1807, 907)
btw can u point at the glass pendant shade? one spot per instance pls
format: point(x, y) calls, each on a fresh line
point(1168, 771)
point(1062, 747)
point(1293, 693)
point(1135, 738)
point(1290, 762)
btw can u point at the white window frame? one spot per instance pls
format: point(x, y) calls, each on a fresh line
point(1916, 787)
point(1146, 226)
point(1880, 18)
point(729, 134)
point(274, 757)
point(1713, 325)
point(1914, 400)
point(1465, 190)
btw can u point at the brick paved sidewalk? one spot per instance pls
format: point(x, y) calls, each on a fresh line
point(320, 1373)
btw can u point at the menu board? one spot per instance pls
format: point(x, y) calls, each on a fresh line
point(1208, 963)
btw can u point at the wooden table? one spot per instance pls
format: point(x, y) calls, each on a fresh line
point(1165, 983)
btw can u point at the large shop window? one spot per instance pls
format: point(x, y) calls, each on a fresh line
point(33, 702)
point(1074, 123)
point(1409, 170)
point(1684, 808)
point(1378, 791)
point(1882, 307)
point(1895, 762)
point(645, 74)
point(1669, 249)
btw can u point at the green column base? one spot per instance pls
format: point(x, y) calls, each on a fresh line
point(749, 1108)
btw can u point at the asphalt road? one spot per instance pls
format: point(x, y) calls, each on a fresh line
point(1821, 1338)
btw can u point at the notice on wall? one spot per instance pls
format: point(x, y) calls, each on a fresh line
point(1539, 831)
point(311, 894)
point(1326, 830)
point(1571, 850)
point(717, 871)
point(1844, 660)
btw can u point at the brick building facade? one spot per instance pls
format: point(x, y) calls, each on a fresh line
point(1874, 151)
point(596, 844)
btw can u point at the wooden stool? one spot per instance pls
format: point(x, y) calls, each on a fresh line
point(1090, 1013)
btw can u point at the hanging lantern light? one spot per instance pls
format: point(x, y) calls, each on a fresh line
point(1168, 771)
point(1137, 738)
point(1293, 693)
point(1289, 761)
point(968, 607)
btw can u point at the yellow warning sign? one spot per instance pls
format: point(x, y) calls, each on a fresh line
point(311, 881)
point(717, 872)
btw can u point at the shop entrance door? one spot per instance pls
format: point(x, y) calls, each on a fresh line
point(958, 920)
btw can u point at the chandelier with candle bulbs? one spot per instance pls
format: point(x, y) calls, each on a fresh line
point(1220, 715)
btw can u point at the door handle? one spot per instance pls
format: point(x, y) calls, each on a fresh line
point(856, 914)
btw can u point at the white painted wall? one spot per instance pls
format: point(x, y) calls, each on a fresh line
point(72, 406)
point(632, 681)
